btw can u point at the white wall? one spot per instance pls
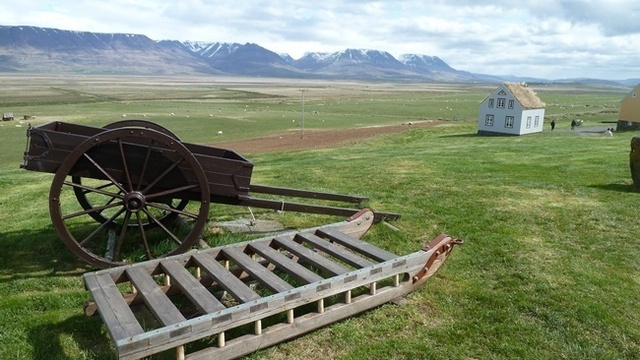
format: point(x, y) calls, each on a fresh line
point(499, 114)
point(533, 128)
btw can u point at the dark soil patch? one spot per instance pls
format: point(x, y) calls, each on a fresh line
point(317, 139)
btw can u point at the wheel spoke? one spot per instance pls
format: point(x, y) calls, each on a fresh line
point(102, 226)
point(124, 165)
point(173, 210)
point(103, 171)
point(144, 236)
point(171, 191)
point(164, 173)
point(161, 225)
point(108, 202)
point(86, 190)
point(89, 211)
point(123, 232)
point(97, 190)
point(144, 167)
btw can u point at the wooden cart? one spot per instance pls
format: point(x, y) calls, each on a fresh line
point(132, 191)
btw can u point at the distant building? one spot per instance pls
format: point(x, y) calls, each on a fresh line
point(511, 109)
point(629, 114)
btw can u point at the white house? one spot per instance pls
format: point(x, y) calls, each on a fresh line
point(511, 109)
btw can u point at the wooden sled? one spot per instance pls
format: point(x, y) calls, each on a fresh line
point(229, 301)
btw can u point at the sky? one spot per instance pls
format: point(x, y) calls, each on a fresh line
point(551, 39)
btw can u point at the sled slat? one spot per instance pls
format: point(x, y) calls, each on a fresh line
point(114, 311)
point(311, 257)
point(283, 262)
point(257, 271)
point(198, 294)
point(154, 297)
point(334, 250)
point(356, 244)
point(239, 290)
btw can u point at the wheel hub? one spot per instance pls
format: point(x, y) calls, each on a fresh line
point(134, 201)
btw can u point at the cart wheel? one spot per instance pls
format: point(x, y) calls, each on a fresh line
point(85, 202)
point(129, 176)
point(144, 124)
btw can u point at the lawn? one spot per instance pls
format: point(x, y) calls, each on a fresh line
point(549, 269)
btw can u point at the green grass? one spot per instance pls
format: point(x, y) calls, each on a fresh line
point(549, 268)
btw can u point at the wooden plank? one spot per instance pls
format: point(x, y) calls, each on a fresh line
point(334, 250)
point(157, 301)
point(257, 271)
point(356, 244)
point(114, 311)
point(311, 257)
point(272, 190)
point(239, 290)
point(192, 288)
point(293, 206)
point(286, 264)
point(281, 332)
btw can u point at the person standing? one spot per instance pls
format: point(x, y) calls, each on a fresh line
point(573, 124)
point(553, 124)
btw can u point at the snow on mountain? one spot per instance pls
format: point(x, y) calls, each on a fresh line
point(209, 49)
point(421, 62)
point(358, 63)
point(245, 59)
point(286, 57)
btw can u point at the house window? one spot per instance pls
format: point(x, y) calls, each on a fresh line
point(501, 103)
point(488, 120)
point(508, 121)
point(490, 103)
point(528, 122)
point(510, 104)
point(537, 121)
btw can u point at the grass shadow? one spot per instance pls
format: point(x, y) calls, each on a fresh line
point(49, 341)
point(32, 253)
point(450, 136)
point(616, 187)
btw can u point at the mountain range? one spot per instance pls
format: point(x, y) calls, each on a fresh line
point(29, 49)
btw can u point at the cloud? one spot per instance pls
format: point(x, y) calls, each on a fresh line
point(532, 37)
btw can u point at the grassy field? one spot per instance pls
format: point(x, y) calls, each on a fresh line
point(550, 268)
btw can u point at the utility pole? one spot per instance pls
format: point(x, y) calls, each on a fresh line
point(302, 126)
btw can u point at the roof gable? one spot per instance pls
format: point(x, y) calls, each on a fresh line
point(524, 95)
point(633, 94)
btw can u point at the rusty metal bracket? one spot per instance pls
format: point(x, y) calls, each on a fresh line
point(444, 248)
point(31, 131)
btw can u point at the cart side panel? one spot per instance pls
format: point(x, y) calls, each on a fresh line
point(49, 144)
point(226, 177)
point(228, 173)
point(215, 152)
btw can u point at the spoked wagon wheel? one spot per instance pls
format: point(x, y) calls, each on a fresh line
point(131, 177)
point(84, 196)
point(89, 199)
